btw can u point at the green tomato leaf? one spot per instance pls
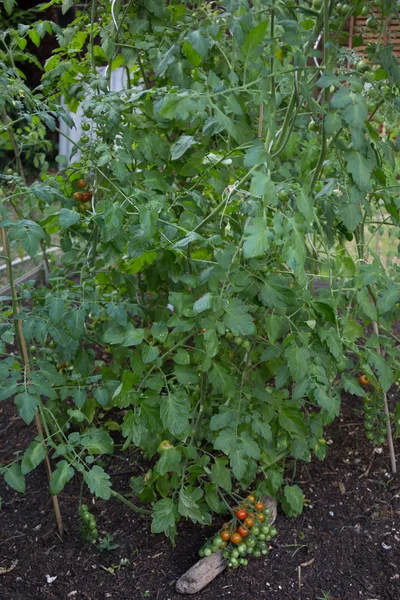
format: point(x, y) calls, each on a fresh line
point(98, 482)
point(175, 412)
point(165, 515)
point(63, 473)
point(183, 144)
point(68, 218)
point(15, 478)
point(237, 318)
point(33, 456)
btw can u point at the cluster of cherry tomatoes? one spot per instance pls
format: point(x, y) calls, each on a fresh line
point(88, 524)
point(246, 535)
point(375, 418)
point(82, 196)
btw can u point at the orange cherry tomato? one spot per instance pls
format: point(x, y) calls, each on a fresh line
point(78, 196)
point(241, 514)
point(242, 531)
point(86, 196)
point(225, 535)
point(249, 522)
point(363, 380)
point(251, 498)
point(81, 183)
point(236, 538)
point(259, 506)
point(203, 330)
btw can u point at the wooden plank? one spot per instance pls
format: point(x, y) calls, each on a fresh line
point(36, 273)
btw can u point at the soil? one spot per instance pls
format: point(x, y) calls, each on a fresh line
point(345, 545)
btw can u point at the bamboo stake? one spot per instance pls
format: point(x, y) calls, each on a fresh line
point(25, 356)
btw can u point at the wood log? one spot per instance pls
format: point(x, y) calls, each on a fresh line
point(207, 569)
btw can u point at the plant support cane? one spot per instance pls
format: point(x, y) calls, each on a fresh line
point(25, 358)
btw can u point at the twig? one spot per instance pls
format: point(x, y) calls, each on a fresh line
point(260, 120)
point(388, 424)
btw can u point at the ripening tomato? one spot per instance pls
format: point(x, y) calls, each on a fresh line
point(86, 196)
point(78, 196)
point(251, 498)
point(363, 380)
point(236, 538)
point(242, 531)
point(81, 183)
point(241, 514)
point(225, 535)
point(261, 518)
point(203, 330)
point(259, 506)
point(226, 525)
point(249, 522)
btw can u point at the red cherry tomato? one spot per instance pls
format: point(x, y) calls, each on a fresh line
point(241, 514)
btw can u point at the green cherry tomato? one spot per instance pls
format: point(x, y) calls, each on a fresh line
point(85, 126)
point(86, 516)
point(246, 344)
point(94, 533)
point(317, 4)
point(338, 7)
point(362, 66)
point(207, 552)
point(371, 22)
point(313, 126)
point(368, 425)
point(381, 439)
point(235, 553)
point(273, 531)
point(201, 553)
point(91, 524)
point(257, 553)
point(283, 196)
point(255, 531)
point(346, 8)
point(365, 11)
point(85, 139)
point(262, 537)
point(369, 435)
point(234, 562)
point(265, 529)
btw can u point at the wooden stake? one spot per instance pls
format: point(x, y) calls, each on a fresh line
point(25, 357)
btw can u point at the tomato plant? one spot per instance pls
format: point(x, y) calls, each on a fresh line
point(244, 161)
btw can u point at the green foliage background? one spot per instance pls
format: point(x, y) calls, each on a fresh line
point(243, 156)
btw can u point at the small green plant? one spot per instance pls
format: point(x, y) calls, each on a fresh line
point(106, 543)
